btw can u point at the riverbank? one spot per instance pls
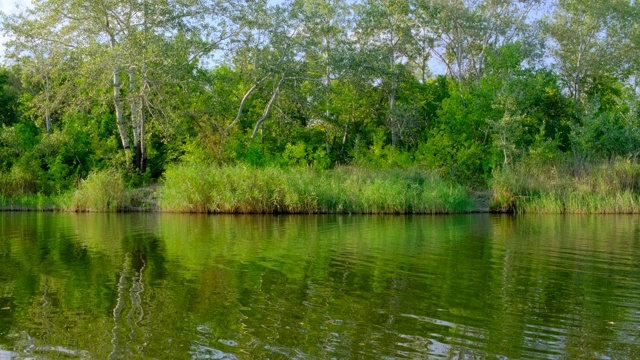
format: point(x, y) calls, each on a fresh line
point(245, 190)
point(569, 187)
point(194, 188)
point(293, 190)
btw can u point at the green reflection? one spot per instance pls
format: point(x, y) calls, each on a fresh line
point(184, 286)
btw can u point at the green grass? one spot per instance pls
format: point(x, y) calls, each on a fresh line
point(606, 187)
point(561, 187)
point(17, 183)
point(242, 189)
point(19, 191)
point(38, 202)
point(100, 192)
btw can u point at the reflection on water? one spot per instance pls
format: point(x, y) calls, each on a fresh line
point(240, 287)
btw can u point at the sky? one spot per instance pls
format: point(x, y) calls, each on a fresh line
point(9, 7)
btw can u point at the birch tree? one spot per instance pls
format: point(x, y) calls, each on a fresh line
point(136, 48)
point(385, 41)
point(585, 43)
point(464, 30)
point(327, 25)
point(287, 48)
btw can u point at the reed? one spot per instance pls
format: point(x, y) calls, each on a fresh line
point(103, 191)
point(17, 183)
point(29, 202)
point(243, 189)
point(604, 187)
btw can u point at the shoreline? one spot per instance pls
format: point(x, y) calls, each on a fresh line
point(202, 189)
point(146, 201)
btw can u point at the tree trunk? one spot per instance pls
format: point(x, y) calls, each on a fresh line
point(124, 137)
point(143, 142)
point(392, 121)
point(267, 109)
point(392, 102)
point(117, 101)
point(47, 115)
point(136, 114)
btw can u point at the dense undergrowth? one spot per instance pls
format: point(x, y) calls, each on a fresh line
point(38, 202)
point(103, 191)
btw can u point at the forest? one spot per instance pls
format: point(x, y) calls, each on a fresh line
point(386, 106)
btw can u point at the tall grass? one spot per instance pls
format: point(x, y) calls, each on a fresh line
point(35, 202)
point(17, 183)
point(242, 189)
point(100, 192)
point(19, 191)
point(569, 187)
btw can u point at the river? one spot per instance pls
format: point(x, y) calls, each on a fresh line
point(168, 286)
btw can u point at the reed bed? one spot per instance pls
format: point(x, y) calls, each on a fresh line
point(17, 184)
point(569, 187)
point(242, 189)
point(29, 202)
point(103, 191)
point(19, 191)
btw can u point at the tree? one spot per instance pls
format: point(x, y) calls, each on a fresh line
point(9, 97)
point(288, 61)
point(464, 30)
point(146, 48)
point(385, 43)
point(586, 43)
point(326, 50)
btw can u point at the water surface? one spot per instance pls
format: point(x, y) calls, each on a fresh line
point(318, 287)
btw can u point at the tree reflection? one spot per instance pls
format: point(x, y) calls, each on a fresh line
point(177, 286)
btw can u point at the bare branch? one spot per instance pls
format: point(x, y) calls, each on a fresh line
point(267, 109)
point(244, 100)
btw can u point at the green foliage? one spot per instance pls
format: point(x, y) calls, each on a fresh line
point(17, 182)
point(242, 189)
point(101, 191)
point(9, 97)
point(354, 88)
point(295, 154)
point(457, 143)
point(605, 133)
point(30, 202)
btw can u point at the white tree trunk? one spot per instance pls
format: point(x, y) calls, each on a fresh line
point(124, 137)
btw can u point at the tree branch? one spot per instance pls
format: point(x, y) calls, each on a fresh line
point(244, 100)
point(267, 109)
